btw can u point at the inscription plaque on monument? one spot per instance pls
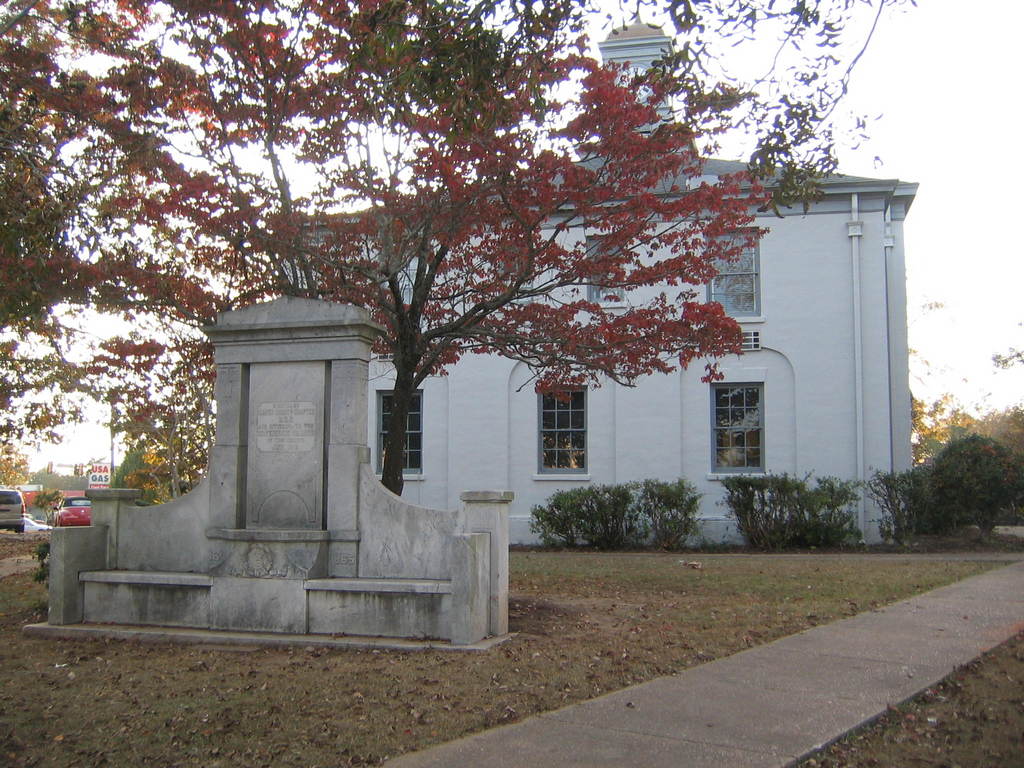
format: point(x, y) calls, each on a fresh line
point(288, 427)
point(286, 449)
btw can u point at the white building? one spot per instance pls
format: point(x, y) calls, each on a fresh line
point(822, 386)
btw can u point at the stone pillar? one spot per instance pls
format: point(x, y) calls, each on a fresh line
point(227, 459)
point(487, 512)
point(347, 447)
point(470, 609)
point(107, 505)
point(291, 421)
point(73, 550)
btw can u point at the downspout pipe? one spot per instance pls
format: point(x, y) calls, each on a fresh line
point(855, 231)
point(889, 242)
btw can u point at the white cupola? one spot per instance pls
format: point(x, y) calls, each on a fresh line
point(640, 44)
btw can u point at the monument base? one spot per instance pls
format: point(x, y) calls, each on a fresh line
point(237, 640)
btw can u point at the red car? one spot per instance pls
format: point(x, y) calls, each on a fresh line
point(74, 512)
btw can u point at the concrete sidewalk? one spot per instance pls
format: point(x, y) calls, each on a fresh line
point(768, 706)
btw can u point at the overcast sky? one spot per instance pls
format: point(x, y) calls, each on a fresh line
point(945, 79)
point(943, 82)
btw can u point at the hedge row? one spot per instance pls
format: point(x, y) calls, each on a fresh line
point(972, 481)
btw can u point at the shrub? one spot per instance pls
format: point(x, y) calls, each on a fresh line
point(601, 516)
point(973, 479)
point(764, 507)
point(558, 522)
point(42, 555)
point(670, 510)
point(903, 500)
point(608, 519)
point(618, 516)
point(777, 511)
point(830, 518)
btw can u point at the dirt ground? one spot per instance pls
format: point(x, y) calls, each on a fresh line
point(20, 544)
point(973, 719)
point(586, 624)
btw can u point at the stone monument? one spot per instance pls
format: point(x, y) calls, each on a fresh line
point(292, 531)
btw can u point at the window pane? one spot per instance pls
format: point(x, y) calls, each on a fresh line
point(745, 261)
point(563, 431)
point(753, 457)
point(738, 433)
point(729, 458)
point(737, 286)
point(413, 454)
point(751, 396)
point(734, 285)
point(737, 304)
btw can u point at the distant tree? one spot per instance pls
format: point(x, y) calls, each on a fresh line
point(945, 420)
point(1011, 358)
point(45, 501)
point(58, 481)
point(161, 399)
point(13, 465)
point(936, 424)
point(144, 471)
point(1006, 426)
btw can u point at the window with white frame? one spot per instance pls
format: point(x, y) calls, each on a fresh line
point(596, 291)
point(563, 431)
point(413, 457)
point(737, 287)
point(737, 427)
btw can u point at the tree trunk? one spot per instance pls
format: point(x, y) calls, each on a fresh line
point(394, 448)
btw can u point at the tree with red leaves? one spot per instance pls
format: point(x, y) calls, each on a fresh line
point(468, 199)
point(65, 247)
point(463, 170)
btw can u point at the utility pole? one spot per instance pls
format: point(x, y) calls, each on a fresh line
point(112, 456)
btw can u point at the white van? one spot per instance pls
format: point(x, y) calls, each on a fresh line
point(12, 509)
